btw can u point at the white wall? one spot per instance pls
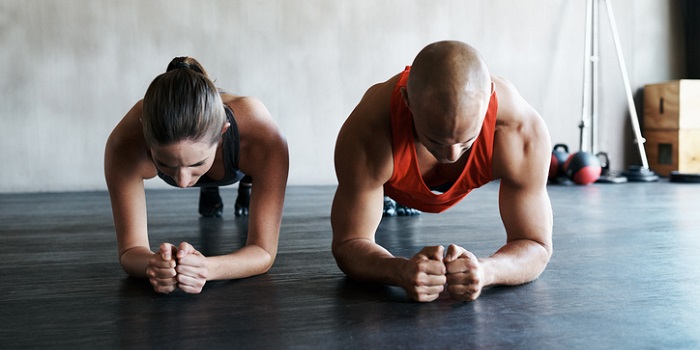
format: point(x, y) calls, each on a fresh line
point(72, 68)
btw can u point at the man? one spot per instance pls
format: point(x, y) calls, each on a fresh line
point(426, 137)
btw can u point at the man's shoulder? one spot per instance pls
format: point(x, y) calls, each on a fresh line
point(364, 140)
point(381, 92)
point(521, 138)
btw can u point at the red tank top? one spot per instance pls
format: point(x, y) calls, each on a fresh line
point(406, 185)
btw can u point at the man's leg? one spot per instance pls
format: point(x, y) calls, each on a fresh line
point(391, 208)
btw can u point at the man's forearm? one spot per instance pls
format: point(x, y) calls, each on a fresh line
point(517, 262)
point(365, 260)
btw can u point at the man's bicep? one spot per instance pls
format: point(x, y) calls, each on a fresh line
point(356, 212)
point(526, 213)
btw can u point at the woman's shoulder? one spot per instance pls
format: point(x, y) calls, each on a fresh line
point(129, 129)
point(126, 142)
point(251, 115)
point(126, 152)
point(245, 106)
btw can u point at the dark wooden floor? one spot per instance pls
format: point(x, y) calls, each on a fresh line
point(625, 274)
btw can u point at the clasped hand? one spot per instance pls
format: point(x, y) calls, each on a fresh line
point(427, 272)
point(177, 267)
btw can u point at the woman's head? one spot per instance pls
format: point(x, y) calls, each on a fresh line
point(182, 104)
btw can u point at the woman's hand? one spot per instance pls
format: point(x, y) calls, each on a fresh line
point(192, 270)
point(161, 269)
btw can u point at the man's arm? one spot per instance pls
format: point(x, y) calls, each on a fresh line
point(363, 163)
point(521, 161)
point(355, 216)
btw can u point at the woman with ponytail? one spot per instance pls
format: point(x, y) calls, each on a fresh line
point(190, 134)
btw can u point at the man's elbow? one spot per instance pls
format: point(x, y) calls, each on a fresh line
point(339, 250)
point(545, 255)
point(549, 250)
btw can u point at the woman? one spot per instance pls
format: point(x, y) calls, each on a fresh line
point(190, 134)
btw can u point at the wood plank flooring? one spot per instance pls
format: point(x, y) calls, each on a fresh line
point(625, 274)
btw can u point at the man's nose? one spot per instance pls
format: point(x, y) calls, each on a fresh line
point(453, 153)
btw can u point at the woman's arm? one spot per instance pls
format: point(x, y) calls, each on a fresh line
point(265, 157)
point(126, 165)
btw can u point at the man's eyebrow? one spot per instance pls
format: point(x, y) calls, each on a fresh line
point(438, 143)
point(470, 139)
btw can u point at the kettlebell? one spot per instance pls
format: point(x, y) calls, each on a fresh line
point(583, 168)
point(560, 154)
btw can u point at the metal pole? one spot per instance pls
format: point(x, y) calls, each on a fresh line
point(595, 83)
point(587, 59)
point(630, 101)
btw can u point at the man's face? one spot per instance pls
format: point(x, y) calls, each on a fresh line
point(448, 133)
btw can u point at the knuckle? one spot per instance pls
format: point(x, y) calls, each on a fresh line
point(415, 280)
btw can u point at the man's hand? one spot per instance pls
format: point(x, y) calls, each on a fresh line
point(424, 274)
point(465, 276)
point(191, 269)
point(161, 269)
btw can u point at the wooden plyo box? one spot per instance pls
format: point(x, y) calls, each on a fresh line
point(672, 126)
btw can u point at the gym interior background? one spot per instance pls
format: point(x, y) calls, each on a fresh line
point(71, 69)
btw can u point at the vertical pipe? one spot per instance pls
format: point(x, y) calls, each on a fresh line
point(587, 59)
point(630, 101)
point(595, 75)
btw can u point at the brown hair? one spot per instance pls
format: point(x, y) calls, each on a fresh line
point(182, 104)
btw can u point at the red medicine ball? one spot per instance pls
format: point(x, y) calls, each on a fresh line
point(556, 166)
point(583, 168)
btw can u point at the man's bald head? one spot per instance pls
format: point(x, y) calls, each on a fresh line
point(448, 93)
point(449, 75)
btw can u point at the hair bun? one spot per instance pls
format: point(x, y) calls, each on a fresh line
point(188, 63)
point(181, 64)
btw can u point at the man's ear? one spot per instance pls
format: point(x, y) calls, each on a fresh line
point(404, 94)
point(226, 126)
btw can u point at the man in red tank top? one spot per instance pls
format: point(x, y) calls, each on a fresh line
point(426, 137)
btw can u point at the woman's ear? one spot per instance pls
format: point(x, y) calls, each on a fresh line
point(226, 126)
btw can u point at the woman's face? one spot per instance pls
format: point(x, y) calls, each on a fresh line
point(185, 161)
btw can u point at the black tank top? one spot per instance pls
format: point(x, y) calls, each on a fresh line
point(231, 148)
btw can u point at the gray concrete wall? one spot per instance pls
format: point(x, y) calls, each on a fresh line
point(72, 68)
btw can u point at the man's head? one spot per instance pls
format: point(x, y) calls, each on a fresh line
point(448, 93)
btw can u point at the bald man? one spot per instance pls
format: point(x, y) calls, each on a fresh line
point(426, 137)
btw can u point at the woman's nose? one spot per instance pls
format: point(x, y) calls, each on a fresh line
point(183, 178)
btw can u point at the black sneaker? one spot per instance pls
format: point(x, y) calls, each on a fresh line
point(389, 207)
point(402, 210)
point(210, 204)
point(243, 200)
